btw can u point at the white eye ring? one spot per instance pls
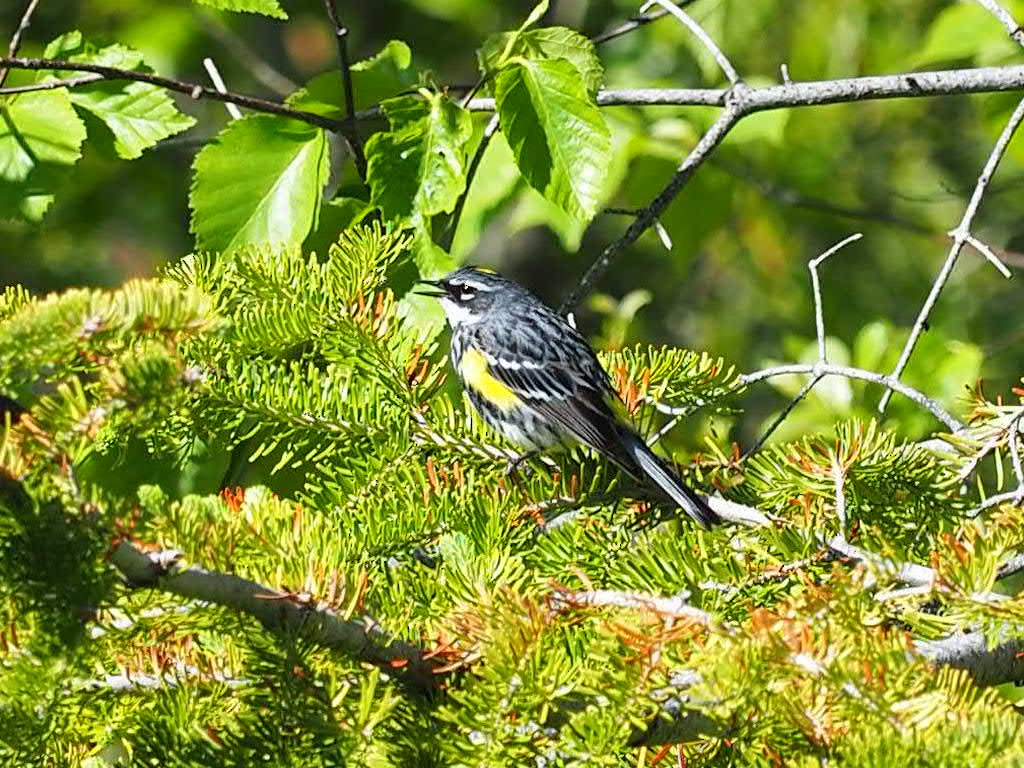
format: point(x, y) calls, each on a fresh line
point(466, 295)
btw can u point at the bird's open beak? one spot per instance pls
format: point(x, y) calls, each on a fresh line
point(438, 287)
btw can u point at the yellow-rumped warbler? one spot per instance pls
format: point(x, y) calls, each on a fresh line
point(535, 379)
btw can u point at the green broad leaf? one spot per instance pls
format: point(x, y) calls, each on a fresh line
point(418, 168)
point(139, 115)
point(74, 47)
point(535, 15)
point(37, 129)
point(30, 199)
point(373, 80)
point(265, 7)
point(558, 135)
point(541, 44)
point(259, 182)
point(964, 31)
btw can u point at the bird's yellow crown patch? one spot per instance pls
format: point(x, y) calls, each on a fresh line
point(473, 368)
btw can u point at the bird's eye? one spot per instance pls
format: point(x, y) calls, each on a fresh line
point(467, 294)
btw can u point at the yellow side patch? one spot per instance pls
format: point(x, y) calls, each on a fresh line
point(473, 369)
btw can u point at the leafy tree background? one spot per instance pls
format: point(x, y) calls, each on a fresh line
point(292, 423)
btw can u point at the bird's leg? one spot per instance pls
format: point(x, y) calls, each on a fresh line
point(513, 465)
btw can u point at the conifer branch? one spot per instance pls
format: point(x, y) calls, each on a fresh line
point(363, 639)
point(1000, 663)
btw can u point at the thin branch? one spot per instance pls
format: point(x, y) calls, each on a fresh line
point(352, 130)
point(195, 90)
point(988, 253)
point(634, 23)
point(784, 414)
point(940, 83)
point(906, 573)
point(19, 32)
point(1002, 663)
point(1015, 30)
point(816, 92)
point(698, 31)
point(960, 236)
point(1011, 497)
point(819, 313)
point(49, 85)
point(881, 379)
point(819, 329)
point(363, 639)
point(449, 235)
point(1011, 567)
point(218, 82)
point(711, 139)
point(608, 598)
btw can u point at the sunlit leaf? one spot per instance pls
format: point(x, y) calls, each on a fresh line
point(265, 7)
point(380, 77)
point(545, 43)
point(557, 134)
point(418, 168)
point(260, 181)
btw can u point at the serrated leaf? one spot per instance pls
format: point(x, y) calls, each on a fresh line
point(535, 15)
point(38, 127)
point(418, 169)
point(557, 134)
point(265, 7)
point(137, 114)
point(40, 136)
point(546, 43)
point(259, 182)
point(373, 80)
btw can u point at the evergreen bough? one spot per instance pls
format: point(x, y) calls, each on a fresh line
point(363, 583)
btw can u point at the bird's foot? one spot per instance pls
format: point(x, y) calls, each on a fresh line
point(516, 463)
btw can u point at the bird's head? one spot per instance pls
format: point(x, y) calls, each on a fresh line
point(469, 294)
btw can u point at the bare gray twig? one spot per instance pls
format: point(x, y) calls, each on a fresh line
point(19, 32)
point(645, 220)
point(740, 101)
point(608, 598)
point(889, 382)
point(819, 328)
point(698, 31)
point(816, 92)
point(1004, 18)
point(218, 82)
point(960, 236)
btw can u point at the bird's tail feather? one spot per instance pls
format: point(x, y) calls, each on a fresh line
point(656, 469)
